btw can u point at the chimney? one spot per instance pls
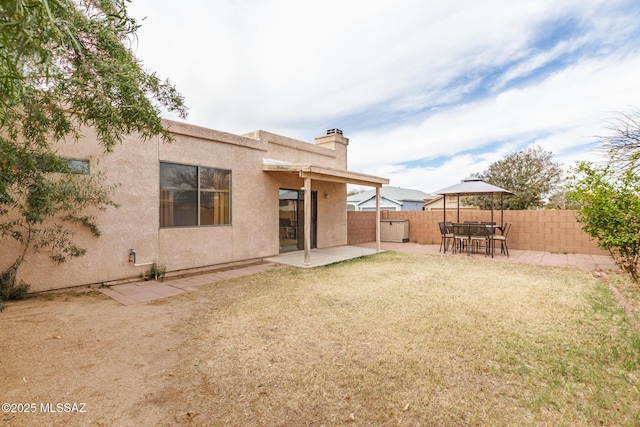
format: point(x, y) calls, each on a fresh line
point(334, 140)
point(332, 137)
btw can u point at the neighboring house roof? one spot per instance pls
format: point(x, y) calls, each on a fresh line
point(396, 194)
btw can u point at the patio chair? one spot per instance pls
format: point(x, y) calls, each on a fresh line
point(460, 236)
point(480, 236)
point(504, 249)
point(446, 235)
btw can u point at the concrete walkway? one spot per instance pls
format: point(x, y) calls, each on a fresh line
point(143, 292)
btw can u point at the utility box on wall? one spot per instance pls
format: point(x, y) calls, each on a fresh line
point(394, 230)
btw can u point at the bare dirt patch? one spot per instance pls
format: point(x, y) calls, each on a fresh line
point(394, 339)
point(115, 362)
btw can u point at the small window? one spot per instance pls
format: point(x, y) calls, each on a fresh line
point(214, 196)
point(78, 166)
point(194, 196)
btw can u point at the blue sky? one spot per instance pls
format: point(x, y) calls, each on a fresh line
point(427, 91)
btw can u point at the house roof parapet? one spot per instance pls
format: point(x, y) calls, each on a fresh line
point(180, 128)
point(272, 138)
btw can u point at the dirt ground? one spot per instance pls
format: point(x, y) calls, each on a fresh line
point(387, 340)
point(119, 367)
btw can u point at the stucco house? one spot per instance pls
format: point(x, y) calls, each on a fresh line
point(391, 199)
point(208, 199)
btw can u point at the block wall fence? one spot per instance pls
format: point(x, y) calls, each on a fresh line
point(550, 231)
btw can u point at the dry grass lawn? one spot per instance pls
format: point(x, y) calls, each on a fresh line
point(399, 339)
point(388, 340)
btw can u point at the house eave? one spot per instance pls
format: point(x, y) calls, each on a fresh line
point(322, 173)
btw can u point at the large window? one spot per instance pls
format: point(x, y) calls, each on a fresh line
point(193, 195)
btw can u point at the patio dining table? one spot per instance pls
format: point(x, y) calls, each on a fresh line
point(476, 230)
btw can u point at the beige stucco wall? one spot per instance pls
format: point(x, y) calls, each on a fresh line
point(134, 165)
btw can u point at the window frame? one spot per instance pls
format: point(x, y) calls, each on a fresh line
point(199, 190)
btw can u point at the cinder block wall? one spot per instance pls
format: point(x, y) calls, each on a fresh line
point(551, 231)
point(361, 228)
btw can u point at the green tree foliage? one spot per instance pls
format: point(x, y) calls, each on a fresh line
point(560, 199)
point(610, 209)
point(531, 174)
point(48, 205)
point(65, 65)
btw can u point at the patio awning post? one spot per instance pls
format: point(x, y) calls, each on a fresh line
point(491, 208)
point(444, 207)
point(307, 221)
point(378, 247)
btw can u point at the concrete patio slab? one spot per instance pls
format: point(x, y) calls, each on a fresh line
point(320, 257)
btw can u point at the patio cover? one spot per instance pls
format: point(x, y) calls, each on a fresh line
point(321, 173)
point(473, 187)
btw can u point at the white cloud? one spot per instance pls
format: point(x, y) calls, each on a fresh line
point(571, 105)
point(295, 67)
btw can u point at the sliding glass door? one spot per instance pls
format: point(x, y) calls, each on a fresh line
point(292, 219)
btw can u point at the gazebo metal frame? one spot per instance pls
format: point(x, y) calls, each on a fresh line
point(474, 187)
